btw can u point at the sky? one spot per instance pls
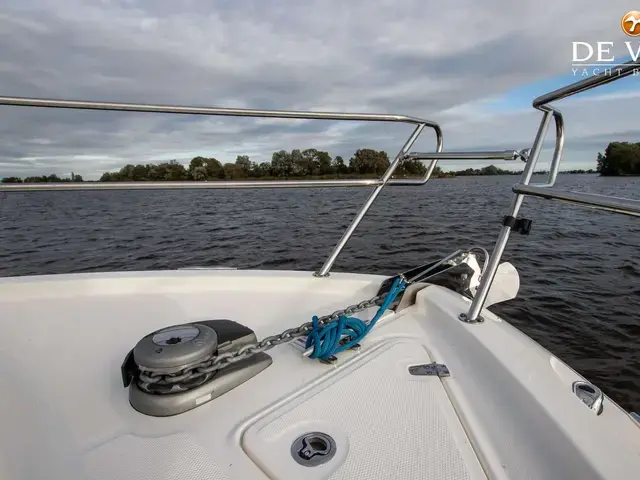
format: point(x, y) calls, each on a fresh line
point(472, 67)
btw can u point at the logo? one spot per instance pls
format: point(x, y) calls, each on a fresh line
point(629, 23)
point(599, 58)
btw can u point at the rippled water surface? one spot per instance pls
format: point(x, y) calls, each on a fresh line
point(579, 269)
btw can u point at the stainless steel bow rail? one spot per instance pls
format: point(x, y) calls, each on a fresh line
point(601, 202)
point(522, 189)
point(379, 183)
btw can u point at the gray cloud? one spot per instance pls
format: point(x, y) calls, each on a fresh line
point(429, 59)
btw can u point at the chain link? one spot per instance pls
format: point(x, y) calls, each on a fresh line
point(202, 371)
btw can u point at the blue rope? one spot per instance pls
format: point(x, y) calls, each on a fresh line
point(326, 339)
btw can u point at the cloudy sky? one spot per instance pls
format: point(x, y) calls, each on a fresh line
point(473, 67)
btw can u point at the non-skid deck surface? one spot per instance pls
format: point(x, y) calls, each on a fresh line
point(387, 424)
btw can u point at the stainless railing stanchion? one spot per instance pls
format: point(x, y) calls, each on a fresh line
point(324, 271)
point(490, 272)
point(557, 153)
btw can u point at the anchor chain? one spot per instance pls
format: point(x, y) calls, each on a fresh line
point(148, 379)
point(160, 382)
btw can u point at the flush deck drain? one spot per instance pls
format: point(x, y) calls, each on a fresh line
point(313, 449)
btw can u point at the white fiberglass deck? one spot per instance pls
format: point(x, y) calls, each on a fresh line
point(506, 411)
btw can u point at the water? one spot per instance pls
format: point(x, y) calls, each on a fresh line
point(579, 268)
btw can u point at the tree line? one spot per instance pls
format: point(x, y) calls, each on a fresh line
point(296, 164)
point(44, 179)
point(620, 158)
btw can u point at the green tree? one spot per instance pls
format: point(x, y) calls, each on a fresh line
point(620, 158)
point(198, 164)
point(198, 173)
point(261, 170)
point(108, 177)
point(154, 172)
point(369, 161)
point(410, 168)
point(339, 166)
point(232, 171)
point(174, 171)
point(299, 163)
point(282, 164)
point(490, 170)
point(305, 162)
point(244, 165)
point(319, 162)
point(211, 166)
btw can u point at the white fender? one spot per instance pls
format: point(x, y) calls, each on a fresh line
point(505, 285)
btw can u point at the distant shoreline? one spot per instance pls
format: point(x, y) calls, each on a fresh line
point(621, 159)
point(309, 164)
point(55, 179)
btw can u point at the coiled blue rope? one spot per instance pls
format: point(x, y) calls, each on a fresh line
point(325, 340)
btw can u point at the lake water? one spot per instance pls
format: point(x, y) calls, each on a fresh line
point(579, 268)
